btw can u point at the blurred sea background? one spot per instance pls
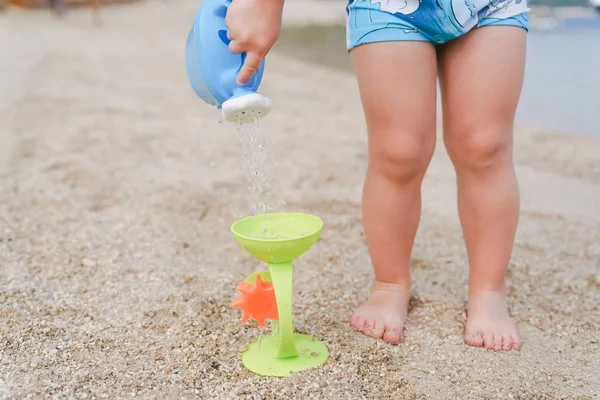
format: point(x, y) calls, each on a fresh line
point(562, 84)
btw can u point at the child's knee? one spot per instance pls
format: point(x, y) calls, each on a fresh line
point(403, 158)
point(480, 150)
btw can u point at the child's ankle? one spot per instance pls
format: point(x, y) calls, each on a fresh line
point(402, 287)
point(476, 289)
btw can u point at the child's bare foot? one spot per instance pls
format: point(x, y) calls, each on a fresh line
point(488, 323)
point(383, 315)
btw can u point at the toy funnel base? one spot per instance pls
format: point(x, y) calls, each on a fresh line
point(245, 108)
point(261, 356)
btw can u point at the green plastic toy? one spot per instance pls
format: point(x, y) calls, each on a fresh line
point(277, 239)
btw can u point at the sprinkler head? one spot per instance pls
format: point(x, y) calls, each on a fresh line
point(245, 108)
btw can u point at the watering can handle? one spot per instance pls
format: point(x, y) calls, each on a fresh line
point(222, 12)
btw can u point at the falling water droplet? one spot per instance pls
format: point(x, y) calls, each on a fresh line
point(275, 330)
point(260, 338)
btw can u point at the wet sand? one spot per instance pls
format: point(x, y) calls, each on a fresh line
point(117, 267)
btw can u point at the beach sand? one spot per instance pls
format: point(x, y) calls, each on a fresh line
point(117, 189)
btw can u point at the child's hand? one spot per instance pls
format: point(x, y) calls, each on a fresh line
point(253, 28)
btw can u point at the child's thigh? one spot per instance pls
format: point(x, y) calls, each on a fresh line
point(481, 76)
point(397, 83)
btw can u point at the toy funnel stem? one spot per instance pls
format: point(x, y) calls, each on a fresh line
point(281, 276)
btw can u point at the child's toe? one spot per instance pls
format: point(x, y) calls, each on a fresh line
point(474, 338)
point(358, 322)
point(516, 344)
point(497, 341)
point(488, 340)
point(374, 328)
point(393, 334)
point(506, 342)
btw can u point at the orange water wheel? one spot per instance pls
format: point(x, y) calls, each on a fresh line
point(257, 301)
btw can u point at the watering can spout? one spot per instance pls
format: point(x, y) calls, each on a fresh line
point(245, 107)
point(212, 68)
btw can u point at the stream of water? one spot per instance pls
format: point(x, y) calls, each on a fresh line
point(260, 172)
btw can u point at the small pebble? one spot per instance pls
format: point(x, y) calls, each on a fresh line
point(88, 262)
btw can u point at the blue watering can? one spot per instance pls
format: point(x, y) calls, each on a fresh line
point(212, 69)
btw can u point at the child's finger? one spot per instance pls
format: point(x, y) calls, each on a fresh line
point(235, 47)
point(251, 65)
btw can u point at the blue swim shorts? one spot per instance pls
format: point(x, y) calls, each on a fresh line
point(435, 21)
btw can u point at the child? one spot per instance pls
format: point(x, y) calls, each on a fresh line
point(398, 48)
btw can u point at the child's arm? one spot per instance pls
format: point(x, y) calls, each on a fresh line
point(253, 28)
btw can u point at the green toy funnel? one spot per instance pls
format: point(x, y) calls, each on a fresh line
point(278, 239)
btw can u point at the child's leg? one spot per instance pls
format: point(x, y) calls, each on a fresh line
point(481, 75)
point(397, 86)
